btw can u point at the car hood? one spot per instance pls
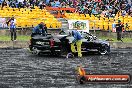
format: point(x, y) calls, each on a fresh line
point(102, 41)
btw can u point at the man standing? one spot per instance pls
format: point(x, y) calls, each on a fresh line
point(119, 28)
point(78, 41)
point(39, 29)
point(12, 22)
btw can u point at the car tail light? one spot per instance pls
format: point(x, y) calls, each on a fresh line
point(51, 43)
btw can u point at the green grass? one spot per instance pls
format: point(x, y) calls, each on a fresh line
point(27, 38)
point(19, 38)
point(115, 40)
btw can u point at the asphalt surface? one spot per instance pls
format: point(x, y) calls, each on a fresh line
point(20, 69)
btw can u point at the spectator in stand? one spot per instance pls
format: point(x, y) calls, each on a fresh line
point(128, 6)
point(1, 2)
point(27, 6)
point(37, 2)
point(57, 3)
point(16, 3)
point(111, 13)
point(86, 9)
point(90, 11)
point(25, 3)
point(102, 6)
point(94, 11)
point(123, 12)
point(42, 5)
point(63, 5)
point(12, 4)
point(20, 5)
point(32, 3)
point(4, 3)
point(130, 12)
point(53, 4)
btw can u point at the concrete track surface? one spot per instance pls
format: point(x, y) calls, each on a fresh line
point(20, 69)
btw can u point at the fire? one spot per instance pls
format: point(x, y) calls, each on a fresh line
point(81, 71)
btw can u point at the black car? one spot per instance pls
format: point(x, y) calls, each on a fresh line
point(59, 44)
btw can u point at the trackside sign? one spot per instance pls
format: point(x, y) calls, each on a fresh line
point(3, 24)
point(83, 24)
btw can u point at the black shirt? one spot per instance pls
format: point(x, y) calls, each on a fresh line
point(44, 28)
point(119, 27)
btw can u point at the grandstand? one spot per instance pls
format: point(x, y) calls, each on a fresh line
point(30, 18)
point(27, 18)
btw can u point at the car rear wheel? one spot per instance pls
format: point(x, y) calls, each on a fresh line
point(35, 51)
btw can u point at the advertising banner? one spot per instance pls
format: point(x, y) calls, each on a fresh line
point(114, 27)
point(3, 24)
point(83, 24)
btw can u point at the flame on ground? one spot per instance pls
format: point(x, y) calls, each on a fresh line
point(81, 71)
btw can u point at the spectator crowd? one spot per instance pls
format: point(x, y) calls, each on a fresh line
point(23, 3)
point(107, 8)
point(104, 7)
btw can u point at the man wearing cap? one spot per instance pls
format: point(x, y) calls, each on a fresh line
point(78, 41)
point(39, 29)
point(119, 28)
